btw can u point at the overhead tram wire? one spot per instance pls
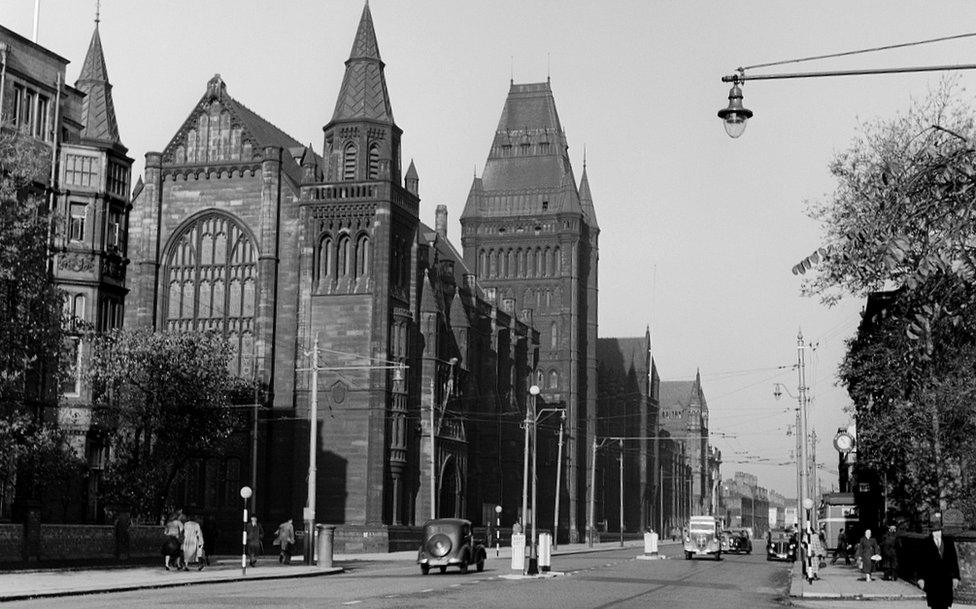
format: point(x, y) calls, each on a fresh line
point(856, 52)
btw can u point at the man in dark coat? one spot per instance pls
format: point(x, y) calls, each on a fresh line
point(889, 554)
point(938, 567)
point(841, 549)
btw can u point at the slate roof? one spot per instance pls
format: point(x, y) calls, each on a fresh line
point(528, 162)
point(676, 393)
point(626, 353)
point(97, 109)
point(363, 94)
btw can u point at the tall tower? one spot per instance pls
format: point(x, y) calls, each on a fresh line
point(359, 225)
point(91, 249)
point(531, 236)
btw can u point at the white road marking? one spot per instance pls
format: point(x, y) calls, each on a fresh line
point(352, 602)
point(427, 590)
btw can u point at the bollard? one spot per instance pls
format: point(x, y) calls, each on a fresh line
point(325, 535)
point(518, 552)
point(650, 547)
point(545, 552)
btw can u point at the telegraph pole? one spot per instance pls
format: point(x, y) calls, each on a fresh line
point(802, 416)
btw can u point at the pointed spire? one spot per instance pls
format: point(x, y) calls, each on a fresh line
point(586, 199)
point(411, 181)
point(363, 94)
point(97, 108)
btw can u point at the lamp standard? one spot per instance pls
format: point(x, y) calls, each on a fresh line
point(803, 486)
point(533, 557)
point(735, 115)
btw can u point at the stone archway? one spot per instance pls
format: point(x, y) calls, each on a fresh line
point(449, 498)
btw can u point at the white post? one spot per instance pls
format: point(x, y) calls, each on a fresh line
point(37, 18)
point(559, 477)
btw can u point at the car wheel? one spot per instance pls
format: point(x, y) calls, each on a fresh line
point(718, 556)
point(443, 569)
point(464, 567)
point(481, 565)
point(687, 555)
point(424, 569)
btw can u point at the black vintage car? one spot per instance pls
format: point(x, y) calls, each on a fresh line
point(449, 542)
point(740, 542)
point(781, 545)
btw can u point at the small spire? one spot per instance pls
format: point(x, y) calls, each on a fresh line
point(98, 12)
point(584, 157)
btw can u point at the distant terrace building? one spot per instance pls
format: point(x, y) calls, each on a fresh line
point(684, 417)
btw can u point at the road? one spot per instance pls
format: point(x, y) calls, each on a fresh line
point(603, 580)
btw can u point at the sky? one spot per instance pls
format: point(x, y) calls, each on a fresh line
point(699, 232)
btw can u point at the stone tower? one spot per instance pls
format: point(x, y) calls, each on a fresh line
point(531, 234)
point(91, 248)
point(359, 226)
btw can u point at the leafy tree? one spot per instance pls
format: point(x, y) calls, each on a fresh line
point(31, 306)
point(31, 335)
point(902, 220)
point(165, 396)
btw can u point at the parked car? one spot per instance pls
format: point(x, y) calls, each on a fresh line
point(725, 540)
point(781, 545)
point(702, 538)
point(449, 542)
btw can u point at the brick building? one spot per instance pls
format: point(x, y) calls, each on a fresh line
point(530, 231)
point(684, 417)
point(628, 395)
point(239, 228)
point(88, 188)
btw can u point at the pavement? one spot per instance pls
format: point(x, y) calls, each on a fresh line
point(840, 582)
point(46, 583)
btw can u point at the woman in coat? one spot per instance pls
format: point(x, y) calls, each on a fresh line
point(866, 548)
point(192, 544)
point(173, 530)
point(285, 537)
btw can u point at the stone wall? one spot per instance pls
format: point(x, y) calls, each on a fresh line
point(68, 543)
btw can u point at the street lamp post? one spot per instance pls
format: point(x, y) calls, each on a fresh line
point(735, 115)
point(559, 477)
point(533, 556)
point(498, 527)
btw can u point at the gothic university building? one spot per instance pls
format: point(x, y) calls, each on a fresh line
point(531, 233)
point(426, 353)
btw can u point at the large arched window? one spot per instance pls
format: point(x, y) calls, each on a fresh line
point(553, 379)
point(558, 262)
point(374, 161)
point(349, 162)
point(362, 256)
point(553, 335)
point(211, 270)
point(530, 264)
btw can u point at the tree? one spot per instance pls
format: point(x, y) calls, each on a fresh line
point(902, 220)
point(166, 399)
point(31, 335)
point(31, 306)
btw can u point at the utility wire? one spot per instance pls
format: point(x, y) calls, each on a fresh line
point(858, 52)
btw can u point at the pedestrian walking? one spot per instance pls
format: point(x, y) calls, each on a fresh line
point(209, 527)
point(813, 553)
point(938, 567)
point(192, 544)
point(254, 533)
point(285, 538)
point(172, 549)
point(867, 554)
point(889, 554)
point(841, 549)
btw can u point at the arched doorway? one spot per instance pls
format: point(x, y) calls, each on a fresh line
point(449, 498)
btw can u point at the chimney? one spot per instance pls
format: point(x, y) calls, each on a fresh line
point(440, 221)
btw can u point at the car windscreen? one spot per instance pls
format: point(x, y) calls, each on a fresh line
point(702, 530)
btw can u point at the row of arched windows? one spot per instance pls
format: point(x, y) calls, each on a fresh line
point(519, 262)
point(340, 258)
point(548, 380)
point(349, 159)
